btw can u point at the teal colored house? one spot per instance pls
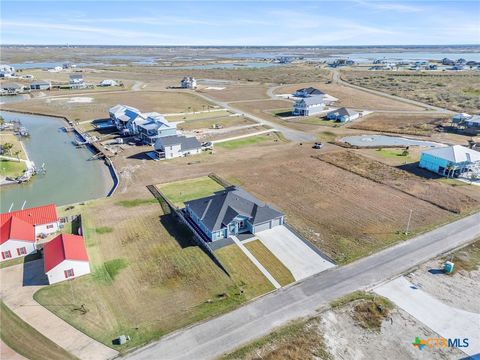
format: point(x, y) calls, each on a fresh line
point(342, 115)
point(231, 212)
point(450, 161)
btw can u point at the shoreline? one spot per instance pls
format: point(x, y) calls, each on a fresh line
point(95, 150)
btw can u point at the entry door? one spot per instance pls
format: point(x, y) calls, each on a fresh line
point(233, 228)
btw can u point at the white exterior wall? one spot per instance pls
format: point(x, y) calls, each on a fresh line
point(172, 151)
point(192, 152)
point(13, 245)
point(42, 229)
point(57, 274)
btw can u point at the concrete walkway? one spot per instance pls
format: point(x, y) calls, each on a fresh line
point(7, 353)
point(445, 320)
point(293, 252)
point(257, 263)
point(19, 283)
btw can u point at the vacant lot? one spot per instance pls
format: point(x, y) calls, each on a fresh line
point(453, 91)
point(352, 98)
point(27, 341)
point(414, 124)
point(264, 139)
point(202, 115)
point(343, 214)
point(238, 92)
point(148, 278)
point(162, 102)
point(11, 168)
point(179, 192)
point(209, 123)
point(364, 326)
point(433, 192)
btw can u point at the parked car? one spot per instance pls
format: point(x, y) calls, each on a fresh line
point(317, 145)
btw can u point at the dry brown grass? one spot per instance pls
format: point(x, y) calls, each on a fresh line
point(238, 92)
point(401, 123)
point(352, 98)
point(457, 92)
point(433, 192)
point(145, 101)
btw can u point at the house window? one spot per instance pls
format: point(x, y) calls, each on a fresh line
point(22, 251)
point(50, 226)
point(6, 254)
point(69, 273)
point(241, 224)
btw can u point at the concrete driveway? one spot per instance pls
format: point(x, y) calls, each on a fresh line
point(18, 284)
point(445, 320)
point(297, 256)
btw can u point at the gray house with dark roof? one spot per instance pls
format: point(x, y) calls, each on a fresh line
point(232, 212)
point(168, 147)
point(307, 92)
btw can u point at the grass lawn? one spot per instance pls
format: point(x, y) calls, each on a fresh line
point(467, 258)
point(315, 120)
point(243, 272)
point(252, 140)
point(395, 154)
point(17, 146)
point(274, 266)
point(198, 116)
point(27, 341)
point(224, 122)
point(148, 277)
point(179, 192)
point(12, 168)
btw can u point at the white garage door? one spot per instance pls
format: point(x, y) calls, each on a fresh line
point(262, 227)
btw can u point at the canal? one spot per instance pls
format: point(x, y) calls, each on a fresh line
point(70, 176)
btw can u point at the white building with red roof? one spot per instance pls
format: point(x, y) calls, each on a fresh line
point(65, 257)
point(20, 229)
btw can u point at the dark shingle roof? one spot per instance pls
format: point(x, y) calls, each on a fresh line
point(343, 111)
point(311, 91)
point(186, 143)
point(219, 210)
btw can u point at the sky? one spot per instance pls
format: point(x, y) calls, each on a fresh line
point(356, 22)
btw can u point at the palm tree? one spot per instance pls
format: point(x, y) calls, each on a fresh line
point(7, 147)
point(17, 153)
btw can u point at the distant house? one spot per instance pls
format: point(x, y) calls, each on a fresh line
point(309, 106)
point(447, 61)
point(12, 88)
point(148, 126)
point(231, 212)
point(188, 82)
point(6, 71)
point(65, 257)
point(450, 161)
point(472, 125)
point(108, 82)
point(307, 92)
point(40, 85)
point(76, 81)
point(343, 115)
point(56, 69)
point(20, 230)
point(170, 147)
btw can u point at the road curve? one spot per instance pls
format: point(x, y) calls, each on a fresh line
point(212, 338)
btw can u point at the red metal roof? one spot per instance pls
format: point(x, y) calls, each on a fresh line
point(64, 247)
point(17, 229)
point(36, 216)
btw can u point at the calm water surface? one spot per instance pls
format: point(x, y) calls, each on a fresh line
point(70, 176)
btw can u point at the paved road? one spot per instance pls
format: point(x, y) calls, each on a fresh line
point(227, 332)
point(337, 79)
point(290, 134)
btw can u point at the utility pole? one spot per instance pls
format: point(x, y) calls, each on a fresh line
point(408, 223)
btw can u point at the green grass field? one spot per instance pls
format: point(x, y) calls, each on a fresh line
point(270, 262)
point(179, 192)
point(27, 341)
point(12, 169)
point(396, 153)
point(252, 140)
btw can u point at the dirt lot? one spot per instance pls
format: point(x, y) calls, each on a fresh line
point(457, 92)
point(238, 92)
point(98, 105)
point(441, 195)
point(352, 98)
point(412, 124)
point(148, 278)
point(224, 122)
point(337, 334)
point(460, 289)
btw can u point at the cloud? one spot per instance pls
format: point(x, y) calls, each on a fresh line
point(389, 6)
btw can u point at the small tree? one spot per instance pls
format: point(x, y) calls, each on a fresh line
point(7, 147)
